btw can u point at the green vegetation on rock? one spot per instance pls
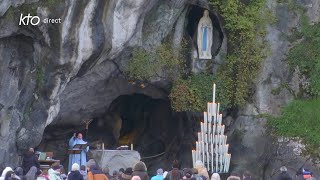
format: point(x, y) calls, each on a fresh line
point(306, 55)
point(193, 93)
point(301, 118)
point(40, 75)
point(156, 63)
point(245, 25)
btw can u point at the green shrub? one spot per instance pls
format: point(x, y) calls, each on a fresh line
point(301, 118)
point(193, 93)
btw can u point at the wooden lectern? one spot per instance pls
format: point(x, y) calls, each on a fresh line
point(77, 150)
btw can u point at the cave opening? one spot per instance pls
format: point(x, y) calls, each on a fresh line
point(147, 123)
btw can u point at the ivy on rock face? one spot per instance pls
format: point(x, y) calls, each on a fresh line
point(306, 55)
point(301, 118)
point(146, 65)
point(245, 25)
point(193, 93)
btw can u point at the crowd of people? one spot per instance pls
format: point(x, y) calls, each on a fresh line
point(30, 170)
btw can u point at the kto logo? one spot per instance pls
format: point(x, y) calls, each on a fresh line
point(25, 20)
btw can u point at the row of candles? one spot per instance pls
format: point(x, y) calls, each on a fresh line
point(212, 147)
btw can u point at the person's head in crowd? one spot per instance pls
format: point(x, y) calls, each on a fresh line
point(215, 176)
point(160, 172)
point(106, 170)
point(5, 171)
point(90, 163)
point(175, 164)
point(114, 173)
point(94, 168)
point(199, 164)
point(83, 168)
point(9, 175)
point(56, 167)
point(128, 171)
point(135, 178)
point(194, 171)
point(75, 167)
point(18, 171)
point(187, 173)
point(121, 170)
point(30, 151)
point(140, 166)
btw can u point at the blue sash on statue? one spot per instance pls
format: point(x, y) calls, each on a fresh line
point(204, 38)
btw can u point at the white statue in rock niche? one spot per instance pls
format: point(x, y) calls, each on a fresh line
point(204, 38)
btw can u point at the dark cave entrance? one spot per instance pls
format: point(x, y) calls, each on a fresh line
point(134, 119)
point(149, 124)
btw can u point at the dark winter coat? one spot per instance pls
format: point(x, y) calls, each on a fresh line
point(174, 174)
point(283, 176)
point(140, 170)
point(30, 160)
point(75, 175)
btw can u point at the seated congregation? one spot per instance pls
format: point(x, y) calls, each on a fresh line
point(31, 170)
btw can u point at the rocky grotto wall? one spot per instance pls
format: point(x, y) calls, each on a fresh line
point(56, 75)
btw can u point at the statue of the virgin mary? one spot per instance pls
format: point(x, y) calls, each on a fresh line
point(204, 38)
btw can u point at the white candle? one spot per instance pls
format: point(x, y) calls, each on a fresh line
point(213, 129)
point(209, 108)
point(218, 129)
point(131, 147)
point(209, 128)
point(212, 157)
point(199, 136)
point(193, 158)
point(214, 108)
point(202, 136)
point(220, 118)
point(218, 107)
point(202, 147)
point(205, 139)
point(210, 117)
point(222, 159)
point(208, 164)
point(102, 146)
point(205, 117)
point(227, 148)
point(216, 162)
point(214, 93)
point(202, 127)
point(222, 129)
point(205, 127)
point(229, 159)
